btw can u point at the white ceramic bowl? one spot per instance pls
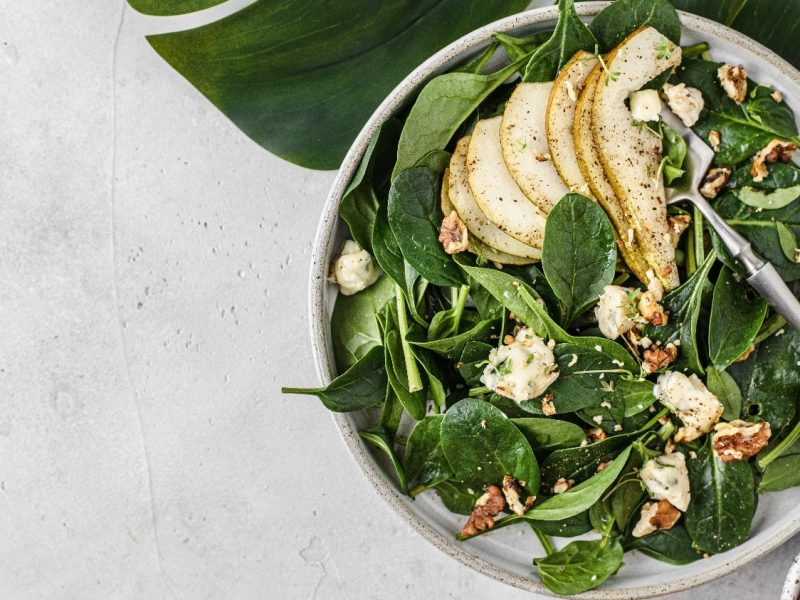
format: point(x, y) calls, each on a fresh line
point(506, 554)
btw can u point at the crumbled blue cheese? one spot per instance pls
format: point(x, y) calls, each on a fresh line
point(691, 401)
point(522, 369)
point(645, 105)
point(615, 311)
point(667, 478)
point(353, 270)
point(686, 102)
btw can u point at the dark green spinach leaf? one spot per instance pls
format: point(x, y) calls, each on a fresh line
point(623, 17)
point(723, 386)
point(549, 434)
point(424, 458)
point(452, 347)
point(383, 442)
point(580, 566)
point(673, 546)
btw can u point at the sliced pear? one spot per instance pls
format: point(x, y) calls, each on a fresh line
point(496, 192)
point(561, 107)
point(630, 154)
point(469, 211)
point(593, 174)
point(524, 143)
point(474, 245)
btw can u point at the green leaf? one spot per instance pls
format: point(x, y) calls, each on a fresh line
point(788, 242)
point(623, 17)
point(780, 198)
point(424, 458)
point(415, 219)
point(580, 566)
point(570, 527)
point(581, 462)
point(163, 8)
point(569, 36)
point(736, 317)
point(683, 305)
point(723, 386)
point(482, 445)
point(674, 150)
point(441, 107)
point(473, 360)
point(637, 395)
point(579, 253)
point(781, 175)
point(628, 493)
point(361, 386)
point(723, 501)
point(301, 81)
point(781, 474)
point(413, 400)
point(549, 434)
point(673, 546)
point(452, 347)
point(381, 440)
point(456, 497)
point(354, 327)
point(517, 48)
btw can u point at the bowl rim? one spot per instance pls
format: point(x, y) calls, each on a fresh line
point(319, 328)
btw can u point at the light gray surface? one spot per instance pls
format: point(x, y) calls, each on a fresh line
point(153, 266)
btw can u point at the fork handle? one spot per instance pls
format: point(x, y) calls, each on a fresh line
point(761, 275)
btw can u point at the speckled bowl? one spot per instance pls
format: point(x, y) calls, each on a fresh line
point(506, 554)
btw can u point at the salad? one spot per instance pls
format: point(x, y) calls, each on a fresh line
point(537, 337)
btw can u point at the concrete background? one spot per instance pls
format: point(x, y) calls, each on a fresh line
point(153, 277)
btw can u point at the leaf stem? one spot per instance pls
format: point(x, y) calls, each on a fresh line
point(304, 391)
point(412, 370)
point(771, 326)
point(778, 450)
point(418, 489)
point(460, 303)
point(655, 419)
point(479, 391)
point(544, 540)
point(691, 257)
point(699, 242)
point(694, 50)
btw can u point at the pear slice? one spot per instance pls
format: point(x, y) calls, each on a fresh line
point(561, 107)
point(469, 211)
point(474, 245)
point(631, 154)
point(496, 192)
point(592, 172)
point(524, 143)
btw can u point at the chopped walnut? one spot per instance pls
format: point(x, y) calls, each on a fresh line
point(777, 96)
point(513, 492)
point(542, 157)
point(529, 502)
point(714, 181)
point(677, 225)
point(486, 508)
point(658, 357)
point(562, 485)
point(453, 234)
point(776, 150)
point(656, 516)
point(739, 440)
point(651, 310)
point(595, 434)
point(750, 349)
point(548, 408)
point(715, 139)
point(734, 82)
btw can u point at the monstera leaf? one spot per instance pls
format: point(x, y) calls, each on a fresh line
point(301, 78)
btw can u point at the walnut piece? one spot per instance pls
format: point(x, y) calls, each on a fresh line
point(595, 434)
point(658, 357)
point(677, 225)
point(777, 96)
point(714, 181)
point(750, 349)
point(715, 139)
point(651, 310)
point(739, 440)
point(513, 493)
point(453, 234)
point(562, 485)
point(656, 516)
point(776, 150)
point(488, 506)
point(548, 408)
point(734, 82)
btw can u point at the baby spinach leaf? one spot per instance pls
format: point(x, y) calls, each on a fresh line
point(722, 504)
point(582, 496)
point(756, 198)
point(457, 497)
point(569, 36)
point(445, 323)
point(581, 462)
point(549, 434)
point(637, 395)
point(617, 21)
point(781, 474)
point(674, 150)
point(628, 493)
point(770, 380)
point(517, 48)
point(381, 440)
point(414, 218)
point(354, 327)
point(569, 527)
point(673, 546)
point(175, 7)
point(442, 106)
point(391, 412)
point(413, 400)
point(787, 241)
point(452, 347)
point(361, 386)
point(473, 360)
point(579, 253)
point(580, 566)
point(737, 313)
point(482, 445)
point(477, 64)
point(434, 374)
point(683, 305)
point(424, 458)
point(723, 386)
point(436, 160)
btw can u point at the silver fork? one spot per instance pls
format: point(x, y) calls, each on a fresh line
point(761, 274)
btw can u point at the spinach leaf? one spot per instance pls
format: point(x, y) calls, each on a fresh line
point(617, 21)
point(581, 462)
point(788, 242)
point(723, 386)
point(414, 218)
point(424, 458)
point(549, 434)
point(391, 412)
point(569, 527)
point(683, 305)
point(354, 327)
point(435, 374)
point(780, 198)
point(673, 546)
point(443, 104)
point(770, 380)
point(397, 368)
point(457, 497)
point(569, 36)
point(637, 395)
point(579, 253)
point(361, 386)
point(360, 202)
point(452, 347)
point(381, 440)
point(473, 359)
point(781, 474)
point(436, 160)
point(628, 494)
point(517, 48)
point(477, 64)
point(445, 323)
point(482, 445)
point(674, 150)
point(737, 313)
point(580, 566)
point(781, 175)
point(582, 496)
point(723, 501)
